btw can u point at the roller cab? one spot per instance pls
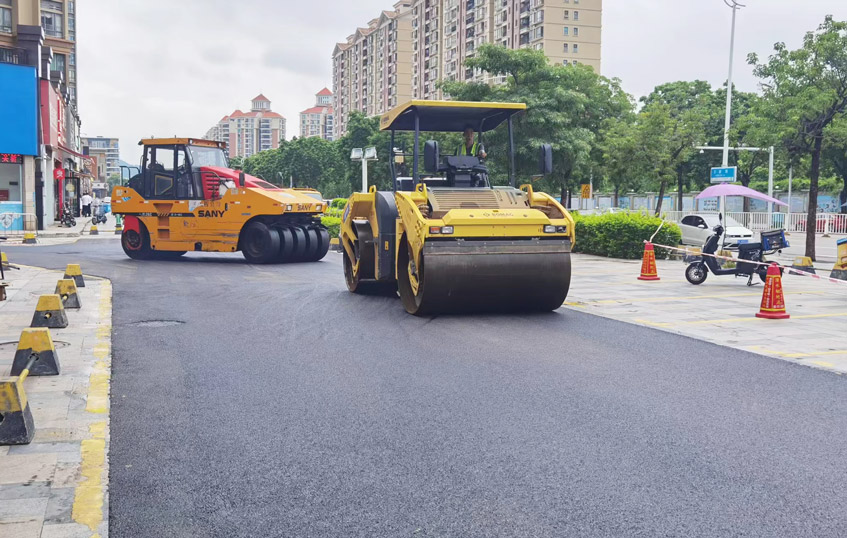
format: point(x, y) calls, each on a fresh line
point(186, 198)
point(447, 240)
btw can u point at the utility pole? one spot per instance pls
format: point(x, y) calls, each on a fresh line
point(735, 6)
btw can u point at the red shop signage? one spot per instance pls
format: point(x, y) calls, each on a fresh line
point(58, 173)
point(11, 158)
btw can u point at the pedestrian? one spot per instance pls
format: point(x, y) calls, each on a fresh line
point(86, 205)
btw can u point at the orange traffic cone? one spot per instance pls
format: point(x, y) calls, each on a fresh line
point(773, 301)
point(648, 264)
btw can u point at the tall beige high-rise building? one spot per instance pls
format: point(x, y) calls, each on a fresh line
point(372, 69)
point(433, 39)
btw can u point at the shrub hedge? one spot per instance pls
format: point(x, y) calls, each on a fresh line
point(622, 235)
point(333, 224)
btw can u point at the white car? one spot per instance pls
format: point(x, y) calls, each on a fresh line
point(696, 228)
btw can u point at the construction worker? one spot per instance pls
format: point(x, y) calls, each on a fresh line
point(468, 147)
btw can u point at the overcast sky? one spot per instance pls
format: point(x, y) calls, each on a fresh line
point(175, 67)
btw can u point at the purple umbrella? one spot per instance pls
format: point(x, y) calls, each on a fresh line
point(726, 189)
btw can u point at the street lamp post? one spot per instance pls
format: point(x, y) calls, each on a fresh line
point(735, 6)
point(364, 155)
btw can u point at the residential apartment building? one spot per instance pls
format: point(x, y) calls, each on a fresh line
point(372, 69)
point(107, 152)
point(444, 34)
point(318, 120)
point(41, 166)
point(248, 133)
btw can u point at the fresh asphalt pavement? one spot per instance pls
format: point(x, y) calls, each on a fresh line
point(268, 401)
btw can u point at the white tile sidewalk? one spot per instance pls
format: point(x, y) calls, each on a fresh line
point(57, 486)
point(721, 310)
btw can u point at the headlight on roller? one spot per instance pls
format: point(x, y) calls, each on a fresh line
point(562, 229)
point(549, 229)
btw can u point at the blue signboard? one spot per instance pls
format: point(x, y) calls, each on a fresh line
point(18, 109)
point(724, 174)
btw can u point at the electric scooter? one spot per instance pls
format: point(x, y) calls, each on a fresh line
point(750, 256)
point(99, 214)
point(67, 217)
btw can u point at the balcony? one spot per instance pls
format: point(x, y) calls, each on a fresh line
point(13, 56)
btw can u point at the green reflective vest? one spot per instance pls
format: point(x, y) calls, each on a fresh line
point(463, 150)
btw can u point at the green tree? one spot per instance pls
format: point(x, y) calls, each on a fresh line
point(308, 162)
point(620, 154)
point(673, 120)
point(835, 152)
point(236, 163)
point(566, 108)
point(806, 90)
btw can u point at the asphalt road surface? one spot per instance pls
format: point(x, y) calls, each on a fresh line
point(269, 401)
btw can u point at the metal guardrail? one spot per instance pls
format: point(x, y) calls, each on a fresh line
point(825, 223)
point(14, 224)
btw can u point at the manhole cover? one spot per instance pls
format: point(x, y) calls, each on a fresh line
point(14, 345)
point(156, 323)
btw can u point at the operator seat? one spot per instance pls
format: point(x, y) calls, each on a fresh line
point(464, 171)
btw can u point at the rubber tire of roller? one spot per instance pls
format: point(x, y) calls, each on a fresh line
point(266, 251)
point(144, 251)
point(323, 236)
point(286, 246)
point(299, 243)
point(313, 245)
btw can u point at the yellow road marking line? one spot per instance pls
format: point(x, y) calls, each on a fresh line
point(732, 320)
point(683, 298)
point(799, 355)
point(90, 494)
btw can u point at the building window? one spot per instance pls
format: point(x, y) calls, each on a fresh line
point(575, 48)
point(565, 31)
point(575, 31)
point(52, 18)
point(576, 15)
point(6, 16)
point(566, 47)
point(58, 63)
point(567, 15)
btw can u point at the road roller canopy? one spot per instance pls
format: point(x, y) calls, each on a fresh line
point(448, 116)
point(182, 142)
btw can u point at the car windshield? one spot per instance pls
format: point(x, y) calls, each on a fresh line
point(201, 156)
point(712, 220)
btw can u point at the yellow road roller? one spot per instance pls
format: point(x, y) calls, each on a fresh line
point(445, 238)
point(186, 198)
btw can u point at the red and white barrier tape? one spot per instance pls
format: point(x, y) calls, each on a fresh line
point(785, 268)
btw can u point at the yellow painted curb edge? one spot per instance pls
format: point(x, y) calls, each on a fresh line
point(90, 507)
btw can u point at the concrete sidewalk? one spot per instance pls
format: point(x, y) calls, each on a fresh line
point(721, 310)
point(57, 486)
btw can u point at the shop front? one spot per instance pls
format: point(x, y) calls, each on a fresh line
point(11, 192)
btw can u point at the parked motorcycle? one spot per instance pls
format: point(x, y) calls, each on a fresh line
point(750, 256)
point(67, 217)
point(99, 216)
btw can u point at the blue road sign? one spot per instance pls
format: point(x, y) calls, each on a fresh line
point(724, 175)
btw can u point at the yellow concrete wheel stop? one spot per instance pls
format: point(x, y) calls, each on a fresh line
point(16, 424)
point(66, 289)
point(119, 229)
point(50, 313)
point(93, 230)
point(839, 270)
point(804, 263)
point(73, 271)
point(36, 343)
point(29, 238)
